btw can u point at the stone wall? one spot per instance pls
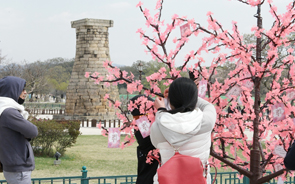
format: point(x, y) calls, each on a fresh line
point(84, 98)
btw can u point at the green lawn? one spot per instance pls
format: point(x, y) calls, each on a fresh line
point(90, 151)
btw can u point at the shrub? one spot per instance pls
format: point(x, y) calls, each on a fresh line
point(54, 136)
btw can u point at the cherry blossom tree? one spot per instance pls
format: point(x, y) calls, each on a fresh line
point(269, 119)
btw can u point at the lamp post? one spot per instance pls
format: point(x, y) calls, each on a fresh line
point(56, 161)
point(139, 67)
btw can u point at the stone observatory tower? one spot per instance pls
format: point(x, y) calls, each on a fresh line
point(84, 98)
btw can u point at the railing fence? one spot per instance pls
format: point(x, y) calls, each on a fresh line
point(45, 111)
point(104, 123)
point(222, 178)
point(84, 123)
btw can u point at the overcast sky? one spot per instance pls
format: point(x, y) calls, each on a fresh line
point(34, 30)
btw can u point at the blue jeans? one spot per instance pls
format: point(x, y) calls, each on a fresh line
point(18, 177)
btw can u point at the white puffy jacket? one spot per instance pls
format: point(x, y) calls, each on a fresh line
point(191, 131)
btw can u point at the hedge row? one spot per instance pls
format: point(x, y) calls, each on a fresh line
point(54, 136)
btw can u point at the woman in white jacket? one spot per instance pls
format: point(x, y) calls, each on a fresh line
point(186, 126)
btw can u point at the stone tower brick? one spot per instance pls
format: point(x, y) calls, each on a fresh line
point(84, 98)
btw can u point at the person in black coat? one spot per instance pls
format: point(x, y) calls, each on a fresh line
point(289, 159)
point(145, 171)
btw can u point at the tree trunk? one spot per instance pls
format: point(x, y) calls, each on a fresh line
point(255, 153)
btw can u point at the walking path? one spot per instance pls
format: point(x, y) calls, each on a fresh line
point(90, 131)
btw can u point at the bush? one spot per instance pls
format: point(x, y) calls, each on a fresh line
point(54, 136)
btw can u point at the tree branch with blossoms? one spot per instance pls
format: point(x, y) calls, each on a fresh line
point(241, 89)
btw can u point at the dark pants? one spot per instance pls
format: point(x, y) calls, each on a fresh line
point(145, 171)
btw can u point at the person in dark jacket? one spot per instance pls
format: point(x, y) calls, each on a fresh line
point(16, 154)
point(289, 159)
point(145, 171)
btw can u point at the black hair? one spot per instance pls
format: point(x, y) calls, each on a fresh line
point(183, 95)
point(135, 111)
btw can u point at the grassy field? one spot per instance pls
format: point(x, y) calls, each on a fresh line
point(90, 151)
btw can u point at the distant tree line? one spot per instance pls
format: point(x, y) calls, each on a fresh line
point(42, 77)
point(52, 76)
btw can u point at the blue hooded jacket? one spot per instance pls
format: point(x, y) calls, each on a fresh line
point(16, 153)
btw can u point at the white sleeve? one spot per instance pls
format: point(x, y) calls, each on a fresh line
point(209, 115)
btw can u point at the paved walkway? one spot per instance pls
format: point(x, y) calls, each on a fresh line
point(90, 131)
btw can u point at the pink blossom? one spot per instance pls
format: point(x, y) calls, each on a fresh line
point(139, 4)
point(106, 96)
point(87, 74)
point(290, 50)
point(175, 16)
point(117, 104)
point(107, 84)
point(131, 87)
point(139, 30)
point(96, 81)
point(122, 146)
point(209, 13)
point(145, 41)
point(146, 12)
point(159, 4)
point(104, 133)
point(191, 21)
point(99, 125)
point(106, 64)
point(253, 2)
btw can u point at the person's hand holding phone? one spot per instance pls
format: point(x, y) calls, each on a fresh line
point(159, 103)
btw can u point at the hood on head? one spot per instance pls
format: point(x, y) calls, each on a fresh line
point(11, 87)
